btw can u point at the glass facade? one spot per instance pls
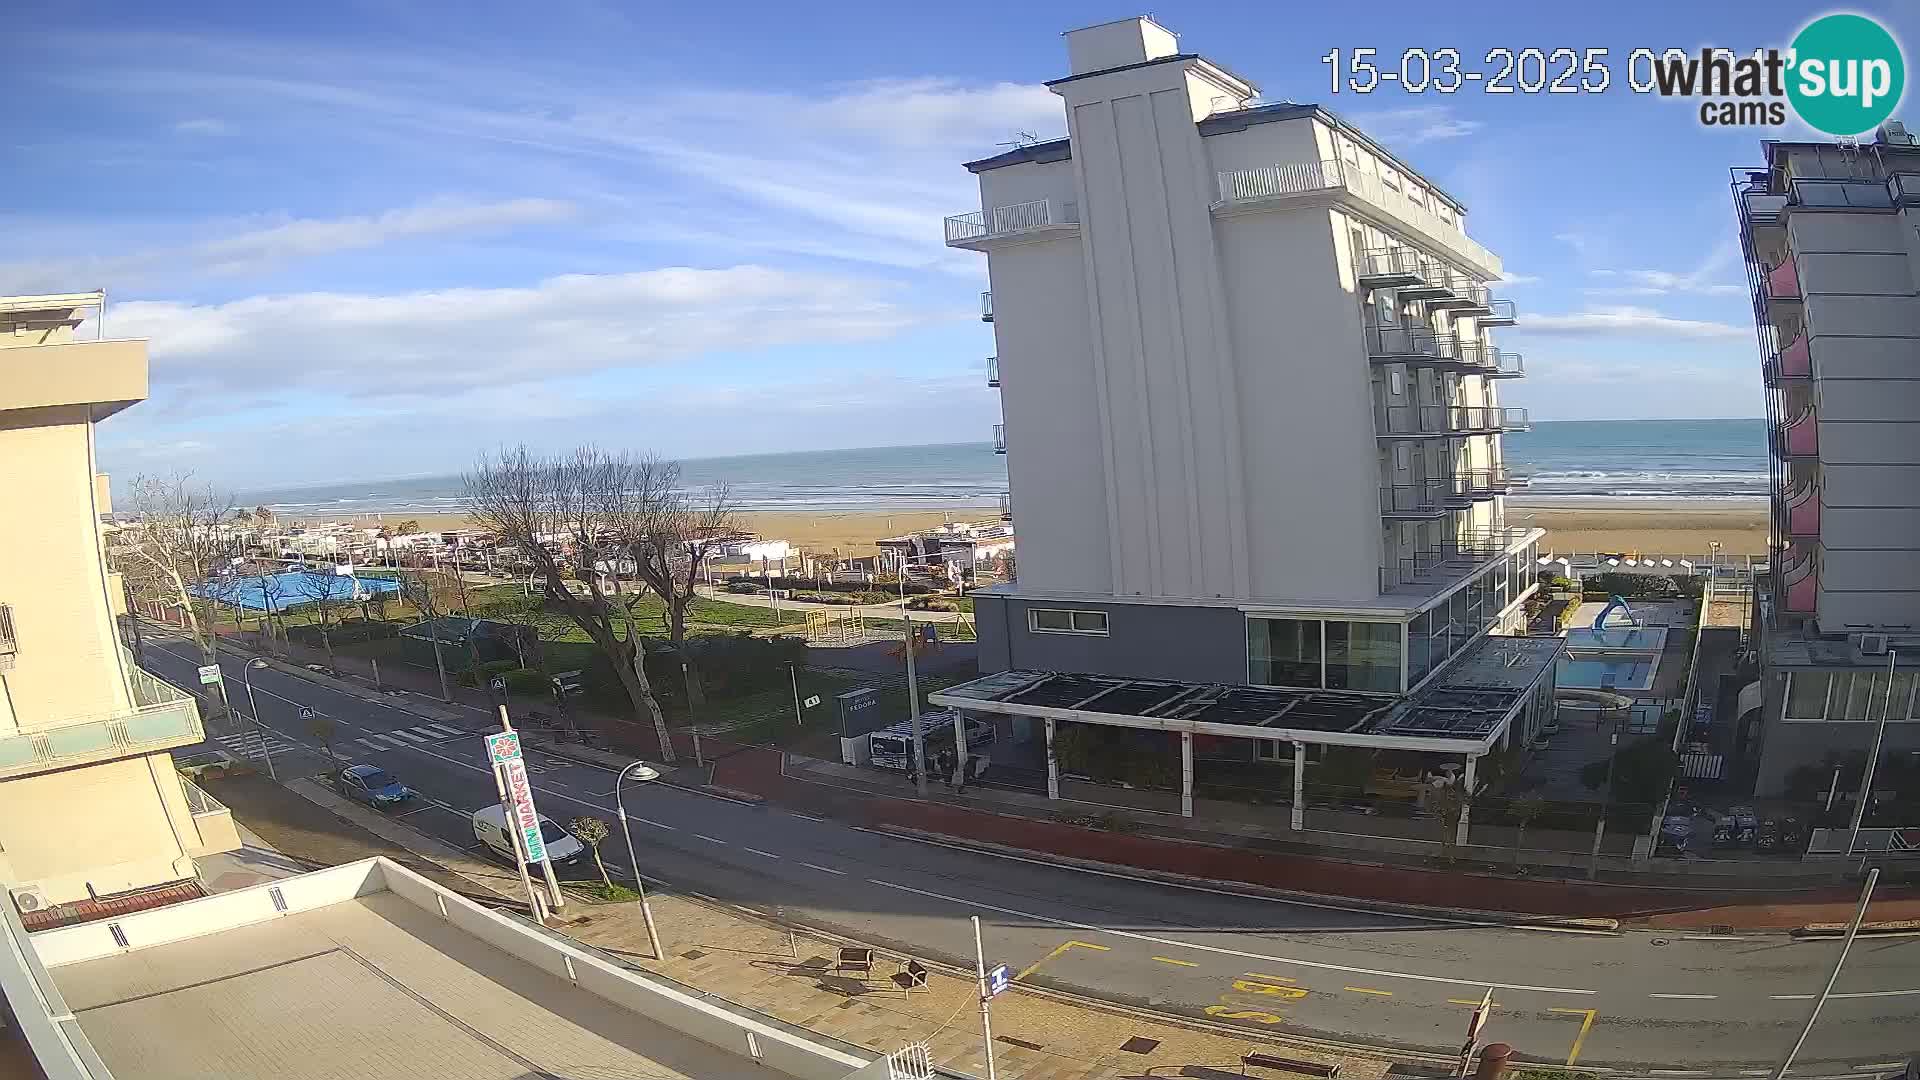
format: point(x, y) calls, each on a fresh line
point(1330, 654)
point(1856, 696)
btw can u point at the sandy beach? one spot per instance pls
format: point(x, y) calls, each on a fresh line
point(1593, 525)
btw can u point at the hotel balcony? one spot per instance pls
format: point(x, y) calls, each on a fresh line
point(1800, 578)
point(1499, 313)
point(1006, 506)
point(1489, 483)
point(1278, 184)
point(1799, 437)
point(1409, 345)
point(1422, 501)
point(1028, 219)
point(1394, 268)
point(1442, 565)
point(1462, 298)
point(986, 306)
point(1793, 362)
point(999, 438)
point(1803, 513)
point(1783, 281)
point(162, 718)
point(993, 371)
point(1420, 421)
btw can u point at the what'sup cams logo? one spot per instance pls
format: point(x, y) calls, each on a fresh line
point(1843, 75)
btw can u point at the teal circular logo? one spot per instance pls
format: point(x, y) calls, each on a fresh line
point(1847, 75)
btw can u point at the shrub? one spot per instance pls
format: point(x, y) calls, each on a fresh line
point(932, 603)
point(484, 674)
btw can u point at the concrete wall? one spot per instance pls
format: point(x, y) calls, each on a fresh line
point(1147, 641)
point(106, 828)
point(1785, 747)
point(110, 373)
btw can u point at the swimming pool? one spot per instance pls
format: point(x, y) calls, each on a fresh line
point(1634, 639)
point(1592, 674)
point(292, 588)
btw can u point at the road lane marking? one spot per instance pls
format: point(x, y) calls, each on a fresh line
point(451, 733)
point(1058, 949)
point(1367, 990)
point(1197, 946)
point(1685, 997)
point(650, 821)
point(409, 736)
point(757, 851)
point(1269, 978)
point(1579, 1040)
point(809, 817)
point(1793, 997)
point(1291, 993)
point(370, 744)
point(1716, 937)
point(712, 839)
point(1434, 920)
point(824, 869)
point(1475, 1003)
point(1876, 994)
point(1176, 963)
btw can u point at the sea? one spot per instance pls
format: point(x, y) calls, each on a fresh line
point(1570, 461)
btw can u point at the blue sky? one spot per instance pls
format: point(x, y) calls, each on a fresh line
point(372, 239)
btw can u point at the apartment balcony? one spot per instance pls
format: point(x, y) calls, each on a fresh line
point(1462, 297)
point(1006, 506)
point(1394, 268)
point(162, 718)
point(212, 822)
point(1793, 362)
point(1028, 220)
point(1438, 567)
point(1800, 577)
point(1498, 313)
point(1425, 421)
point(1803, 513)
point(999, 438)
point(1799, 437)
point(1783, 281)
point(1302, 181)
point(1422, 501)
point(1409, 345)
point(1484, 484)
point(993, 371)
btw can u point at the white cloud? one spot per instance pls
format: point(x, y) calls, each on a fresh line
point(1628, 322)
point(446, 341)
point(1517, 279)
point(265, 244)
point(201, 125)
point(1414, 125)
point(1662, 283)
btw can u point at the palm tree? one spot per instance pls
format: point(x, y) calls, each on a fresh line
point(590, 831)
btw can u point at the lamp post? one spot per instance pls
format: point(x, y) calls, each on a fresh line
point(633, 860)
point(246, 677)
point(1873, 759)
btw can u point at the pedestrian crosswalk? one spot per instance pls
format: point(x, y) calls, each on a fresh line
point(418, 735)
point(250, 745)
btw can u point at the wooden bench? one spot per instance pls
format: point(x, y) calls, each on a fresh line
point(1274, 1061)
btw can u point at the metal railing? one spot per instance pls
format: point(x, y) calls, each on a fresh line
point(1395, 262)
point(1424, 497)
point(993, 371)
point(1297, 178)
point(1006, 506)
point(1447, 419)
point(999, 438)
point(1012, 219)
point(986, 306)
point(1499, 313)
point(1409, 341)
point(198, 801)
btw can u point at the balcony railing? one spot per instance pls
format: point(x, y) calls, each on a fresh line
point(9, 645)
point(1400, 344)
point(1302, 177)
point(1505, 365)
point(1450, 560)
point(163, 717)
point(1006, 506)
point(986, 307)
point(1783, 281)
point(1803, 512)
point(1012, 220)
point(993, 371)
point(1499, 313)
point(999, 438)
point(1394, 267)
point(1800, 436)
point(1426, 499)
point(1418, 420)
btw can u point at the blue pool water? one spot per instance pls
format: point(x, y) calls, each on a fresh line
point(1648, 639)
point(1587, 674)
point(291, 589)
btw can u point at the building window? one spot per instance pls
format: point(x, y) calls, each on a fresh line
point(1363, 656)
point(1334, 654)
point(1066, 621)
point(1849, 697)
point(1284, 652)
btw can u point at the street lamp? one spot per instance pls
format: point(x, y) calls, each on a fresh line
point(246, 676)
point(642, 771)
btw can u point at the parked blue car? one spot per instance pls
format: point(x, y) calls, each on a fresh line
point(372, 785)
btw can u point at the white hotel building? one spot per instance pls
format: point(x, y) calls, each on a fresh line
point(1251, 408)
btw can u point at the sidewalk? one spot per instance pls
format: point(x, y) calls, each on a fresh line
point(889, 610)
point(751, 961)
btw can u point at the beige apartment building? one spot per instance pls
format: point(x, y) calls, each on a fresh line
point(90, 803)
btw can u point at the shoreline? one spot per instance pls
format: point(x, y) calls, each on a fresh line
point(1574, 524)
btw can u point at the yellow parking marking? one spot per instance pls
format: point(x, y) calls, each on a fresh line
point(1035, 966)
point(1176, 963)
point(1291, 993)
point(1368, 990)
point(1586, 1025)
point(1233, 1012)
point(1268, 978)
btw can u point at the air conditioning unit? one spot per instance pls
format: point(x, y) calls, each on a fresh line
point(29, 898)
point(1873, 644)
point(1894, 133)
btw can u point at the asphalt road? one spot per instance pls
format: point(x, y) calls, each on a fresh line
point(1715, 1005)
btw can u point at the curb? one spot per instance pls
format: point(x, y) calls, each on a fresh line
point(1897, 926)
point(1503, 918)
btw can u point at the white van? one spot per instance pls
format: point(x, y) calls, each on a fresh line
point(490, 828)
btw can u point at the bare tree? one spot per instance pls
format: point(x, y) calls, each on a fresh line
point(320, 592)
point(428, 595)
point(179, 542)
point(566, 515)
point(669, 533)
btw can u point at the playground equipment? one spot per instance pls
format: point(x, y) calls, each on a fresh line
point(841, 629)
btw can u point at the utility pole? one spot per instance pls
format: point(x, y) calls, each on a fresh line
point(1606, 796)
point(913, 711)
point(1853, 929)
point(1873, 759)
point(986, 1011)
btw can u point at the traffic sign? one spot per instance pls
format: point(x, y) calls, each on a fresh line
point(525, 817)
point(998, 979)
point(499, 684)
point(210, 674)
point(503, 747)
point(811, 701)
point(307, 713)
